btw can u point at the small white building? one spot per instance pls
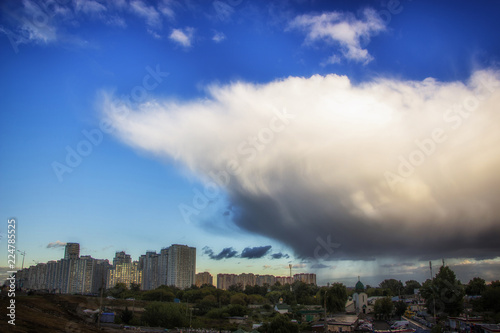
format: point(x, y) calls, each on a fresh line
point(359, 302)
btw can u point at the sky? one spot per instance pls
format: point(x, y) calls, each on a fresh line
point(347, 138)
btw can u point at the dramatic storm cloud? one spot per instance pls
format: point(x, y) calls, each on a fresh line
point(385, 168)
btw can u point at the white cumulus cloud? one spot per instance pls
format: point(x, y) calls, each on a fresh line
point(183, 37)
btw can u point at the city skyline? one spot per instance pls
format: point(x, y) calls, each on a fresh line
point(72, 251)
point(346, 138)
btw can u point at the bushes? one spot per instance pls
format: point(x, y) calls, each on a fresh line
point(167, 315)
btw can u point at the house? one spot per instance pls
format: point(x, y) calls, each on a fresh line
point(282, 308)
point(310, 315)
point(490, 328)
point(342, 323)
point(463, 323)
point(107, 317)
point(237, 320)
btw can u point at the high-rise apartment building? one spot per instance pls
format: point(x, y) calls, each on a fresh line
point(224, 281)
point(181, 267)
point(204, 278)
point(67, 276)
point(148, 263)
point(174, 265)
point(124, 270)
point(261, 280)
point(163, 266)
point(72, 251)
point(121, 258)
point(307, 278)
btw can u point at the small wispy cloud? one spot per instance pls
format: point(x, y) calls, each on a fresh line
point(223, 11)
point(56, 244)
point(342, 29)
point(218, 37)
point(165, 7)
point(149, 13)
point(90, 7)
point(182, 36)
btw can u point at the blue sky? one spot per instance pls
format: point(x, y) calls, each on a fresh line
point(115, 117)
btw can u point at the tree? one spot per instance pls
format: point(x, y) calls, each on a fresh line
point(400, 308)
point(237, 310)
point(475, 287)
point(126, 315)
point(238, 288)
point(256, 290)
point(410, 287)
point(135, 286)
point(206, 304)
point(160, 295)
point(383, 308)
point(336, 297)
point(304, 293)
point(280, 324)
point(273, 296)
point(370, 291)
point(240, 299)
point(118, 290)
point(491, 296)
point(444, 293)
point(394, 286)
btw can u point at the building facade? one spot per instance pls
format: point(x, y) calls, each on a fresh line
point(181, 266)
point(72, 251)
point(204, 278)
point(174, 265)
point(224, 281)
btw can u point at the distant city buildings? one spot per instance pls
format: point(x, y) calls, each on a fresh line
point(204, 278)
point(75, 274)
point(124, 271)
point(307, 278)
point(224, 281)
point(172, 266)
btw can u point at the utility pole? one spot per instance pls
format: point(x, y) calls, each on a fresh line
point(23, 253)
point(434, 298)
point(326, 323)
point(100, 304)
